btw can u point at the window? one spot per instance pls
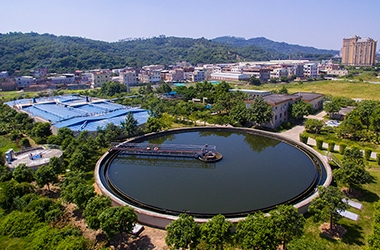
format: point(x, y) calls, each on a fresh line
point(281, 115)
point(275, 117)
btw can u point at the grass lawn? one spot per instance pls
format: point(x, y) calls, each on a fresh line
point(357, 231)
point(6, 143)
point(342, 88)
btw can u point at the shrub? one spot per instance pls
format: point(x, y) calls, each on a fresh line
point(286, 125)
point(367, 153)
point(303, 138)
point(331, 146)
point(19, 224)
point(25, 143)
point(319, 143)
point(342, 148)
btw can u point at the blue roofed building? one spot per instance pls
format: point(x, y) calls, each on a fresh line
point(78, 113)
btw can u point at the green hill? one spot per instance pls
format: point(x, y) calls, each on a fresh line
point(28, 51)
point(280, 47)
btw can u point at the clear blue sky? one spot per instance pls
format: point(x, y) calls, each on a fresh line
point(321, 24)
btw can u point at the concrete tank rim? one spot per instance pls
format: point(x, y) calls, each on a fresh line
point(144, 213)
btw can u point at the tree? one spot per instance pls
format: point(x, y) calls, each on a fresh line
point(112, 88)
point(301, 109)
point(332, 107)
point(313, 126)
point(223, 87)
point(328, 204)
point(41, 206)
point(239, 114)
point(69, 183)
point(256, 231)
point(18, 224)
point(56, 165)
point(365, 110)
point(350, 127)
point(354, 154)
point(95, 206)
point(254, 81)
point(5, 173)
point(41, 131)
point(260, 112)
point(45, 175)
point(115, 220)
point(23, 173)
point(284, 79)
point(62, 134)
point(283, 90)
point(111, 132)
point(78, 161)
point(216, 231)
point(273, 80)
point(153, 125)
point(289, 223)
point(129, 125)
point(25, 143)
point(10, 190)
point(82, 194)
point(182, 233)
point(352, 174)
point(164, 88)
point(375, 121)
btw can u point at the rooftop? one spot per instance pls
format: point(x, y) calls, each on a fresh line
point(275, 99)
point(78, 113)
point(309, 96)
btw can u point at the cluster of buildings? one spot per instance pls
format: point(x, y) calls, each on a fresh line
point(180, 72)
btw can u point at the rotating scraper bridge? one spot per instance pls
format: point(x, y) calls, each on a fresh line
point(206, 153)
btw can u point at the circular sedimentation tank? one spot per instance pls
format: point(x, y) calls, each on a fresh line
point(259, 170)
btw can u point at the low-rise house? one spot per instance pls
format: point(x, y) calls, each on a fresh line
point(279, 72)
point(260, 73)
point(315, 99)
point(128, 77)
point(99, 77)
point(173, 75)
point(63, 79)
point(149, 76)
point(4, 74)
point(280, 107)
point(229, 77)
point(8, 85)
point(310, 70)
point(198, 76)
point(24, 81)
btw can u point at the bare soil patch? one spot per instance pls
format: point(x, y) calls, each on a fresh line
point(336, 233)
point(149, 238)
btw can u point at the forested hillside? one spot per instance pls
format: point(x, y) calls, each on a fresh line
point(280, 47)
point(27, 51)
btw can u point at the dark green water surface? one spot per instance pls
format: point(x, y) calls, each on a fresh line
point(255, 173)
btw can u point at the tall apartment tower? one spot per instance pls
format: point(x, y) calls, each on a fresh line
point(358, 51)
